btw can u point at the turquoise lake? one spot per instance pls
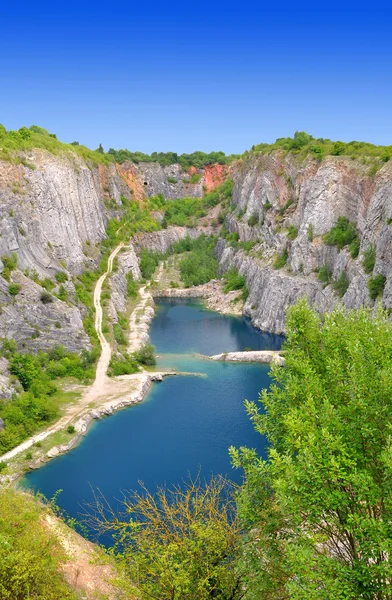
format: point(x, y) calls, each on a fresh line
point(186, 423)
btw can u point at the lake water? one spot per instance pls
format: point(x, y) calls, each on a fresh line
point(186, 423)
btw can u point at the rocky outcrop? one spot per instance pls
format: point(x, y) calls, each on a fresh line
point(273, 193)
point(261, 356)
point(171, 181)
point(127, 262)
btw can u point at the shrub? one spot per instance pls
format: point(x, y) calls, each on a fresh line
point(122, 365)
point(310, 232)
point(149, 262)
point(341, 284)
point(253, 220)
point(292, 232)
point(30, 556)
point(280, 260)
point(14, 289)
point(235, 281)
point(325, 274)
point(369, 259)
point(132, 287)
point(46, 298)
point(267, 205)
point(61, 277)
point(146, 355)
point(283, 209)
point(3, 465)
point(28, 455)
point(376, 286)
point(119, 335)
point(172, 180)
point(62, 294)
point(343, 234)
point(71, 429)
point(200, 264)
point(9, 264)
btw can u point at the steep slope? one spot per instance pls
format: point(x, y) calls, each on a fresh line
point(285, 206)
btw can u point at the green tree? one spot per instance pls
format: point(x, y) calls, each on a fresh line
point(178, 544)
point(319, 506)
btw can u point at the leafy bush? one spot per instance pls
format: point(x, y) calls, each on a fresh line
point(289, 203)
point(172, 180)
point(200, 264)
point(9, 264)
point(71, 429)
point(253, 220)
point(341, 284)
point(30, 556)
point(292, 232)
point(325, 274)
point(146, 355)
point(235, 281)
point(61, 277)
point(342, 234)
point(369, 259)
point(132, 286)
point(37, 405)
point(310, 232)
point(122, 365)
point(148, 262)
point(376, 286)
point(281, 260)
point(267, 205)
point(14, 289)
point(119, 335)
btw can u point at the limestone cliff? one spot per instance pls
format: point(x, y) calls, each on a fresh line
point(272, 193)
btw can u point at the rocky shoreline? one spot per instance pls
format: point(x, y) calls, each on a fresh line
point(212, 292)
point(261, 356)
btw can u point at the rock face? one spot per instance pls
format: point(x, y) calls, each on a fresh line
point(279, 192)
point(53, 217)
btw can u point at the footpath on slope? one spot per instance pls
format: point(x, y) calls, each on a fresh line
point(105, 394)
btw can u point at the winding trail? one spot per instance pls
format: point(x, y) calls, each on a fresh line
point(106, 352)
point(102, 389)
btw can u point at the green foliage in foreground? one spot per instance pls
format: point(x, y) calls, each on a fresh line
point(235, 281)
point(38, 404)
point(178, 544)
point(30, 557)
point(343, 234)
point(148, 262)
point(199, 264)
point(318, 509)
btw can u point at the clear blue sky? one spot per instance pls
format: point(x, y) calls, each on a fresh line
point(187, 76)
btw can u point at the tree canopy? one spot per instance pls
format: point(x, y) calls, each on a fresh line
point(319, 506)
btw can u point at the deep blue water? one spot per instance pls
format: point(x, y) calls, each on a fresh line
point(185, 423)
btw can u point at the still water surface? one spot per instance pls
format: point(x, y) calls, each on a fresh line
point(184, 424)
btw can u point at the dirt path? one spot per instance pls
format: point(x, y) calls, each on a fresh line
point(106, 352)
point(102, 388)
